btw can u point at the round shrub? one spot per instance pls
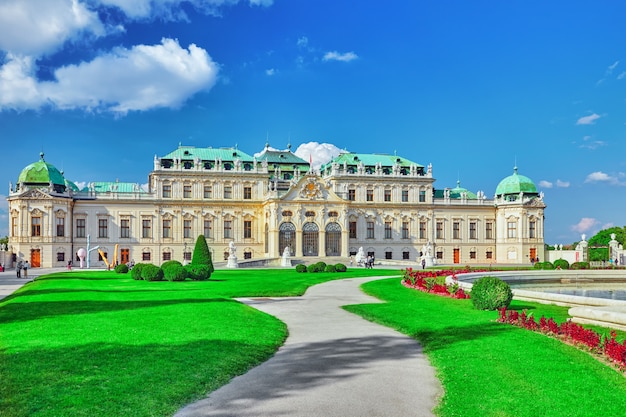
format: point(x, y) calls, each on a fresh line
point(312, 268)
point(198, 272)
point(136, 271)
point(491, 293)
point(167, 264)
point(547, 265)
point(561, 263)
point(300, 268)
point(330, 268)
point(580, 265)
point(151, 272)
point(121, 269)
point(175, 272)
point(321, 266)
point(340, 268)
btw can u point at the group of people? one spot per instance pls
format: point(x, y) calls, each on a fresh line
point(22, 267)
point(369, 262)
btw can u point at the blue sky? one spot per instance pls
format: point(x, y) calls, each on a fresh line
point(101, 86)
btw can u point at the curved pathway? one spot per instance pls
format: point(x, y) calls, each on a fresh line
point(333, 363)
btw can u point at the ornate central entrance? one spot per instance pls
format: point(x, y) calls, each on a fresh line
point(310, 239)
point(333, 239)
point(287, 237)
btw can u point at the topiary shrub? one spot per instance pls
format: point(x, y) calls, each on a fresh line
point(300, 268)
point(580, 265)
point(167, 264)
point(561, 264)
point(198, 272)
point(151, 272)
point(136, 271)
point(330, 268)
point(547, 265)
point(202, 254)
point(312, 268)
point(491, 293)
point(175, 272)
point(340, 268)
point(321, 266)
point(121, 269)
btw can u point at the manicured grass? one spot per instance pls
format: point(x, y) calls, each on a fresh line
point(100, 344)
point(493, 369)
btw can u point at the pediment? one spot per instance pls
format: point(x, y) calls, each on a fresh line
point(36, 194)
point(311, 188)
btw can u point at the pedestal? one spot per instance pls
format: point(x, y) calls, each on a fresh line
point(232, 262)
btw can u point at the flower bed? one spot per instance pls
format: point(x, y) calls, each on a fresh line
point(426, 281)
point(572, 333)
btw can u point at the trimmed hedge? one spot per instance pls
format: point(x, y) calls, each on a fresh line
point(300, 268)
point(174, 272)
point(330, 268)
point(167, 264)
point(121, 269)
point(562, 263)
point(136, 271)
point(544, 265)
point(580, 265)
point(340, 268)
point(198, 272)
point(312, 268)
point(151, 272)
point(491, 293)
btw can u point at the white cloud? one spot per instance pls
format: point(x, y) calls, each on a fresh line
point(611, 67)
point(600, 176)
point(545, 184)
point(585, 224)
point(621, 75)
point(18, 87)
point(562, 184)
point(140, 78)
point(39, 27)
point(319, 153)
point(336, 56)
point(302, 42)
point(270, 72)
point(589, 143)
point(171, 9)
point(588, 120)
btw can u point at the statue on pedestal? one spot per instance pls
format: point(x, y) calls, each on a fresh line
point(232, 257)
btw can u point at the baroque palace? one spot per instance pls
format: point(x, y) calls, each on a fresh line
point(385, 204)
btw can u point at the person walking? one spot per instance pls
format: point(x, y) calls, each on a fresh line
point(18, 269)
point(25, 267)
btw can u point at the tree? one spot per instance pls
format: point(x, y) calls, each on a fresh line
point(202, 254)
point(603, 237)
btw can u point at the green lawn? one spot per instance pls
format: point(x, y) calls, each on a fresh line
point(492, 369)
point(100, 344)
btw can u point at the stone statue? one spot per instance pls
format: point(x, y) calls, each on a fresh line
point(232, 257)
point(360, 256)
point(286, 260)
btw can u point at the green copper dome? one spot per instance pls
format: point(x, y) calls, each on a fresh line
point(41, 173)
point(515, 184)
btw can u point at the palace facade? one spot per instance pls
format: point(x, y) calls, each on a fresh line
point(385, 204)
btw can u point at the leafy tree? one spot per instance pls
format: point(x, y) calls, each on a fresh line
point(603, 237)
point(4, 240)
point(202, 254)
